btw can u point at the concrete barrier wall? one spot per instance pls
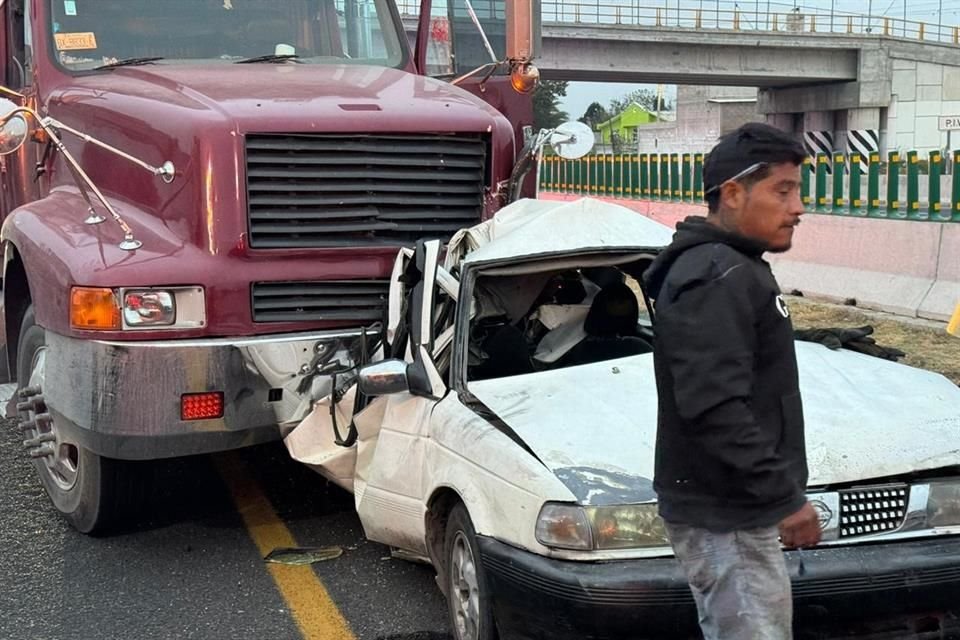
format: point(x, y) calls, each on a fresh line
point(905, 267)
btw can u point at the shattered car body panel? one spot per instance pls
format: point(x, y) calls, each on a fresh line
point(508, 436)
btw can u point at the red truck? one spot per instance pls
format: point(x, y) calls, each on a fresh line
point(245, 171)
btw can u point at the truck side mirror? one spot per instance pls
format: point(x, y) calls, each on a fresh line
point(523, 30)
point(14, 129)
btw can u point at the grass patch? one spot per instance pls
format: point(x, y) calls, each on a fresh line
point(927, 345)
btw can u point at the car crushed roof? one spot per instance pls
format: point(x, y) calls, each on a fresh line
point(535, 228)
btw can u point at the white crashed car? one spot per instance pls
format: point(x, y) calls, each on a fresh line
point(505, 437)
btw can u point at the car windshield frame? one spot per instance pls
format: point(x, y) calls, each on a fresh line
point(457, 376)
point(384, 14)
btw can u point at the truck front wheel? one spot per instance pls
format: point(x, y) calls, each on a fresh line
point(92, 492)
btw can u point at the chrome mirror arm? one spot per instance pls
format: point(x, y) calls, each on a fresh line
point(166, 171)
point(50, 126)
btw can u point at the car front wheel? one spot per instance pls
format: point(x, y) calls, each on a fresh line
point(468, 594)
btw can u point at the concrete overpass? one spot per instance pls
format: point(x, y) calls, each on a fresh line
point(821, 85)
point(846, 82)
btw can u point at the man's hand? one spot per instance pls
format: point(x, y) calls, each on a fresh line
point(802, 529)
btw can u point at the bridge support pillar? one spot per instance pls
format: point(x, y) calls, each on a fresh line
point(782, 121)
point(862, 132)
point(818, 132)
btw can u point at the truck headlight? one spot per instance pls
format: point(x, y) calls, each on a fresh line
point(149, 308)
point(137, 309)
point(566, 526)
point(943, 504)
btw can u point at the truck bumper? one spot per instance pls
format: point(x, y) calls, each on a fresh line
point(122, 399)
point(873, 591)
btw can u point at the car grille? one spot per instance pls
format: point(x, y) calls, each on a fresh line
point(361, 301)
point(338, 190)
point(873, 510)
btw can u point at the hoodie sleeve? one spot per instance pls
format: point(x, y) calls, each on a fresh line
point(709, 343)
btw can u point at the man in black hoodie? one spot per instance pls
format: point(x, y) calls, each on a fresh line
point(731, 465)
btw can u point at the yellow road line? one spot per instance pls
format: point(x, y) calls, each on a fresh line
point(313, 610)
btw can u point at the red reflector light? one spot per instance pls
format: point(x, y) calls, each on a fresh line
point(201, 406)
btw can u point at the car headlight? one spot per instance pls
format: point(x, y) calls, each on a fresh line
point(635, 526)
point(564, 526)
point(943, 504)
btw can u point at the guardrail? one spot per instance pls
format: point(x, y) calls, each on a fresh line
point(733, 15)
point(838, 184)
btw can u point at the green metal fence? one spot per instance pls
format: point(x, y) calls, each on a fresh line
point(836, 184)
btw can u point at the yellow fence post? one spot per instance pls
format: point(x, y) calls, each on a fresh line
point(886, 26)
point(736, 19)
point(699, 19)
point(923, 27)
point(954, 327)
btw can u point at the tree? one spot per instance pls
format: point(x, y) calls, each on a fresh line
point(546, 104)
point(594, 115)
point(646, 98)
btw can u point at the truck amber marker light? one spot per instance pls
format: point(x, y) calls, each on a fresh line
point(94, 309)
point(201, 406)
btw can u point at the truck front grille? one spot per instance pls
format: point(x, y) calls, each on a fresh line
point(871, 511)
point(362, 190)
point(360, 301)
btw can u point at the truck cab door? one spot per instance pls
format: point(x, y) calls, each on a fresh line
point(18, 173)
point(449, 44)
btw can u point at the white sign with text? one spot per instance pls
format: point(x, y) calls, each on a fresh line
point(950, 123)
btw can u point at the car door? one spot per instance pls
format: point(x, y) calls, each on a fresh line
point(388, 482)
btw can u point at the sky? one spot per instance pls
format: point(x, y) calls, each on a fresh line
point(581, 94)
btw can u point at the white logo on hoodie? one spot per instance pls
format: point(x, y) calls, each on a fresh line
point(782, 306)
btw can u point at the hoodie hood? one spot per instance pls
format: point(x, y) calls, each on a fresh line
point(692, 232)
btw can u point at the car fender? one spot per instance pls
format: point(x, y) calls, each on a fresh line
point(502, 484)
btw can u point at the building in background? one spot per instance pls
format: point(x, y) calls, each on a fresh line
point(622, 130)
point(703, 115)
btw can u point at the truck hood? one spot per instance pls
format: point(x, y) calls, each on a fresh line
point(595, 426)
point(280, 97)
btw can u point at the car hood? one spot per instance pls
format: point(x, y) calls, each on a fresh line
point(594, 426)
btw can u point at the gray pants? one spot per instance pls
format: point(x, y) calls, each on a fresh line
point(739, 581)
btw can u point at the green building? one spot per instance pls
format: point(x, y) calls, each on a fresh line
point(624, 124)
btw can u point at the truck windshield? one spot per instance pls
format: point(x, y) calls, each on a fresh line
point(93, 33)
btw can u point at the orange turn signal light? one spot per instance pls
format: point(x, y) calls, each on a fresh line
point(94, 309)
point(201, 406)
point(524, 78)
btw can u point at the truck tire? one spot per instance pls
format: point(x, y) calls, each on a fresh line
point(92, 492)
point(468, 592)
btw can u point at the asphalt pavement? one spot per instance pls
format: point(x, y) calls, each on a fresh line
point(189, 567)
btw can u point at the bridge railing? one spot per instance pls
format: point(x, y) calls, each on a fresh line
point(899, 186)
point(732, 15)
